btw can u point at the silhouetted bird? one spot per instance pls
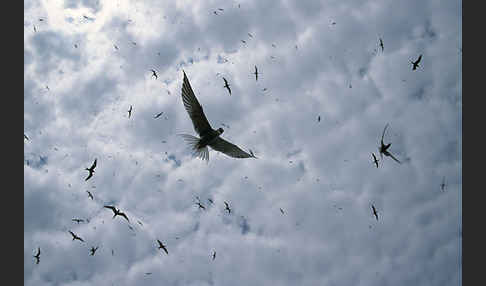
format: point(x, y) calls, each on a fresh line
point(139, 223)
point(416, 63)
point(214, 255)
point(227, 207)
point(200, 206)
point(383, 148)
point(256, 73)
point(35, 30)
point(89, 194)
point(319, 118)
point(93, 250)
point(251, 36)
point(220, 9)
point(75, 236)
point(148, 273)
point(158, 115)
point(227, 86)
point(91, 170)
point(375, 160)
point(282, 211)
point(215, 13)
point(25, 137)
point(117, 212)
point(442, 185)
point(374, 212)
point(209, 136)
point(243, 41)
point(381, 45)
point(130, 111)
point(154, 73)
point(115, 46)
point(161, 245)
point(211, 201)
point(78, 220)
point(37, 256)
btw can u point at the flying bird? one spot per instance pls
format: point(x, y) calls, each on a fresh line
point(381, 45)
point(442, 185)
point(226, 85)
point(78, 220)
point(25, 137)
point(256, 73)
point(215, 13)
point(117, 212)
point(37, 256)
point(319, 118)
point(91, 170)
point(93, 250)
point(211, 201)
point(154, 73)
point(75, 236)
point(208, 136)
point(416, 63)
point(251, 36)
point(35, 30)
point(383, 148)
point(115, 46)
point(214, 255)
point(130, 112)
point(243, 41)
point(161, 245)
point(375, 160)
point(227, 207)
point(374, 212)
point(220, 9)
point(158, 115)
point(200, 206)
point(282, 211)
point(89, 194)
point(148, 273)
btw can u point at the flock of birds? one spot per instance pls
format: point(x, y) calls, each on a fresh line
point(209, 137)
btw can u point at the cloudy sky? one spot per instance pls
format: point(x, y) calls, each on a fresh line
point(86, 62)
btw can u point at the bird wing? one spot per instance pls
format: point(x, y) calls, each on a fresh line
point(229, 89)
point(384, 129)
point(94, 164)
point(419, 58)
point(72, 233)
point(389, 154)
point(111, 207)
point(89, 176)
point(165, 249)
point(125, 216)
point(195, 110)
point(230, 149)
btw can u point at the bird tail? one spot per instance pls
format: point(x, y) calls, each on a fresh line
point(197, 151)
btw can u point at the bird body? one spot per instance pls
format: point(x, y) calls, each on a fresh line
point(227, 207)
point(89, 194)
point(37, 256)
point(384, 148)
point(416, 63)
point(381, 45)
point(374, 212)
point(375, 160)
point(208, 136)
point(130, 112)
point(161, 245)
point(214, 255)
point(158, 115)
point(93, 250)
point(256, 73)
point(154, 73)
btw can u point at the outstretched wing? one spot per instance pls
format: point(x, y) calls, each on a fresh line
point(390, 155)
point(89, 176)
point(111, 207)
point(195, 110)
point(230, 149)
point(94, 164)
point(125, 216)
point(419, 58)
point(383, 136)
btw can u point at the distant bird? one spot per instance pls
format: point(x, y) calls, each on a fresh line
point(227, 86)
point(200, 206)
point(161, 245)
point(148, 273)
point(264, 89)
point(75, 236)
point(86, 17)
point(383, 148)
point(78, 220)
point(93, 250)
point(416, 63)
point(256, 73)
point(37, 256)
point(375, 160)
point(227, 207)
point(442, 185)
point(214, 255)
point(252, 155)
point(273, 45)
point(319, 118)
point(91, 170)
point(117, 212)
point(381, 45)
point(40, 19)
point(115, 46)
point(251, 36)
point(35, 30)
point(112, 252)
point(25, 137)
point(158, 115)
point(89, 194)
point(209, 136)
point(134, 43)
point(282, 211)
point(220, 9)
point(139, 223)
point(47, 87)
point(76, 46)
point(215, 13)
point(130, 111)
point(211, 201)
point(243, 41)
point(154, 73)
point(374, 212)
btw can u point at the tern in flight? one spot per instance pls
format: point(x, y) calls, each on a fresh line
point(93, 250)
point(91, 170)
point(256, 73)
point(161, 245)
point(374, 212)
point(416, 63)
point(381, 45)
point(117, 212)
point(154, 73)
point(89, 194)
point(214, 255)
point(130, 112)
point(383, 148)
point(75, 236)
point(37, 256)
point(227, 86)
point(208, 136)
point(158, 115)
point(78, 220)
point(227, 207)
point(375, 160)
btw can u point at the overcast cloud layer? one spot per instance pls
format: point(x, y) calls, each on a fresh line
point(86, 62)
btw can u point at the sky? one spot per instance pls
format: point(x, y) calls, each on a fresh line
point(86, 62)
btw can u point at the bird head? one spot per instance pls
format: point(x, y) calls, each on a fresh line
point(220, 131)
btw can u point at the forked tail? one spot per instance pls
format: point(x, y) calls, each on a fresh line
point(193, 141)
